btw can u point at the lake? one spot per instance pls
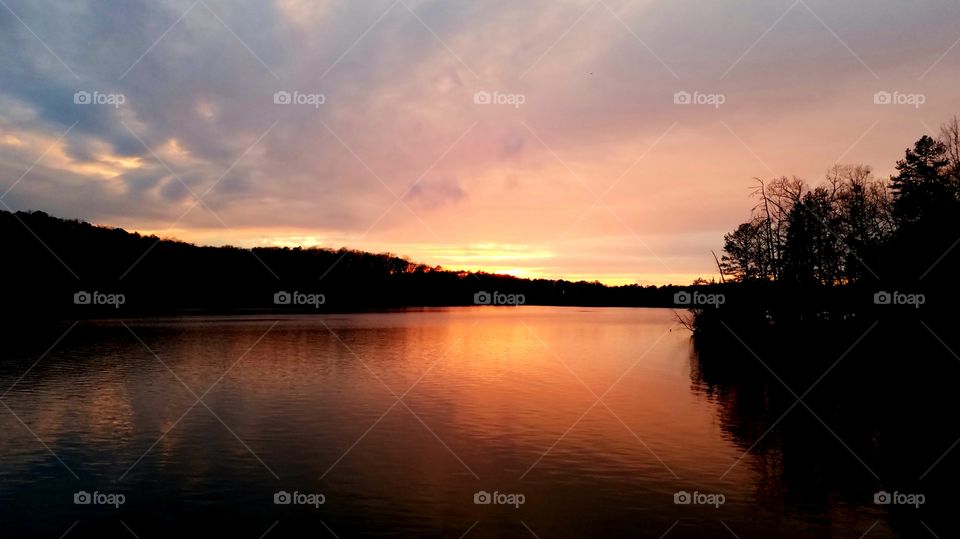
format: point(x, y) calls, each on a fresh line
point(455, 422)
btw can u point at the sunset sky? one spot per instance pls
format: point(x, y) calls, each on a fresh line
point(582, 167)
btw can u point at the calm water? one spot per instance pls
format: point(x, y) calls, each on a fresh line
point(491, 399)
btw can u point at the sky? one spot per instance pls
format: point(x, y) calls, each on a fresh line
point(607, 140)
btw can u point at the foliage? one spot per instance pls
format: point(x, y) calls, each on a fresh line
point(838, 231)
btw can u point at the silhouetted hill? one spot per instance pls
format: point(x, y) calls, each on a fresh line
point(67, 268)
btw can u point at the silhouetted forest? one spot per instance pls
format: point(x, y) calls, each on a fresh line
point(848, 251)
point(49, 261)
point(832, 353)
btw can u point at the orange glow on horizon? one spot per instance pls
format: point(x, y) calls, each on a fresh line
point(522, 261)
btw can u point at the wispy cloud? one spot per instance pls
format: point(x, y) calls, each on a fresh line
point(398, 82)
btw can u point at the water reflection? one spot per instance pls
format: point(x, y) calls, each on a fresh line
point(874, 417)
point(492, 399)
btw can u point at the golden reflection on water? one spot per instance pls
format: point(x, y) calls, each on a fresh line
point(493, 398)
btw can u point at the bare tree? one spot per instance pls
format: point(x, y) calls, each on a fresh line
point(950, 138)
point(811, 234)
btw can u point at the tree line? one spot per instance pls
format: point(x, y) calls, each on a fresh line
point(72, 269)
point(853, 227)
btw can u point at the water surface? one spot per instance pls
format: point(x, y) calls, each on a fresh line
point(595, 416)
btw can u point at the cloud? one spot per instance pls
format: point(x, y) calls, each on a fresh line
point(434, 193)
point(398, 104)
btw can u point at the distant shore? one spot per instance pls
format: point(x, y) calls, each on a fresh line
point(71, 269)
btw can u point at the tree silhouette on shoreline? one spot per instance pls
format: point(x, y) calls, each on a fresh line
point(853, 227)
